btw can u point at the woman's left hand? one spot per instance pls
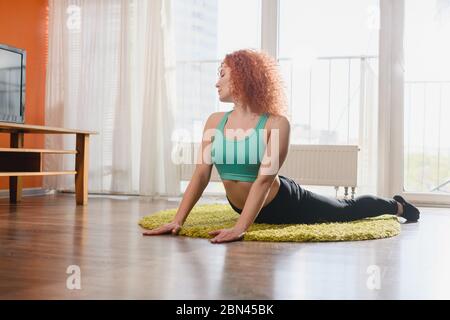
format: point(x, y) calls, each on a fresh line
point(226, 235)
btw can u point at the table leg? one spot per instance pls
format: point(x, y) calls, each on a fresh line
point(82, 168)
point(15, 183)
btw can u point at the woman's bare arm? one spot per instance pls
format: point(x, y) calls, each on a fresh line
point(202, 174)
point(197, 184)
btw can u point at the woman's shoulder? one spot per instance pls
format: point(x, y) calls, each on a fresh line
point(218, 114)
point(214, 119)
point(277, 121)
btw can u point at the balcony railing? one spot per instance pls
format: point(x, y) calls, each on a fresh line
point(427, 148)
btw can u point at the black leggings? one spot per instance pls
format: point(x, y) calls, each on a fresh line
point(293, 204)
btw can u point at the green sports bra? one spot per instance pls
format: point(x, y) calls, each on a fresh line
point(238, 159)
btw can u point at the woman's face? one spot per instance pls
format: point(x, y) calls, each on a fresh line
point(223, 85)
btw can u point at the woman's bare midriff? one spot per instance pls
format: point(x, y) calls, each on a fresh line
point(237, 191)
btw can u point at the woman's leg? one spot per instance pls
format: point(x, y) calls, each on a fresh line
point(294, 204)
point(318, 208)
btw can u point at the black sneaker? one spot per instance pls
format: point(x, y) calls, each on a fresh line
point(410, 212)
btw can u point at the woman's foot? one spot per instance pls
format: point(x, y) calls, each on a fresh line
point(410, 212)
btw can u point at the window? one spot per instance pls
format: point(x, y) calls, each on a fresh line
point(427, 96)
point(328, 55)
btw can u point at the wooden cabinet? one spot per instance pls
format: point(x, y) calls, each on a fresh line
point(17, 162)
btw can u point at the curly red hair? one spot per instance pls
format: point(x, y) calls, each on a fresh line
point(256, 81)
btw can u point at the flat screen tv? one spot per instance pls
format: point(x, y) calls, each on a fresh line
point(12, 84)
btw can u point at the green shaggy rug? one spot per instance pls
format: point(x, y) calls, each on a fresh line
point(209, 217)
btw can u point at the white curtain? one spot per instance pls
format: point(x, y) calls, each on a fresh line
point(390, 112)
point(111, 69)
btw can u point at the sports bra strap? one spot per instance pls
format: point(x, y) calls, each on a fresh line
point(261, 122)
point(224, 119)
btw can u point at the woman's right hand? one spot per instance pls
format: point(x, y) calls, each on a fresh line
point(172, 227)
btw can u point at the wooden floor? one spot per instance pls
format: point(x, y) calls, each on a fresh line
point(41, 237)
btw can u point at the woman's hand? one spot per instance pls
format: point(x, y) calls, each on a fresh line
point(172, 227)
point(226, 235)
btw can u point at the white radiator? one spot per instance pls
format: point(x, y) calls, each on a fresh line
point(315, 165)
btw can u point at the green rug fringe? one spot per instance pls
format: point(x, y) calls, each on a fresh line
point(209, 217)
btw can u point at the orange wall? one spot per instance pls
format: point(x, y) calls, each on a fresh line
point(23, 24)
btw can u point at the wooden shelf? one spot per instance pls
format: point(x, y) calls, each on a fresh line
point(24, 128)
point(25, 160)
point(37, 150)
point(48, 173)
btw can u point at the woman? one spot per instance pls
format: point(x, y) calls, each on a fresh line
point(251, 81)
